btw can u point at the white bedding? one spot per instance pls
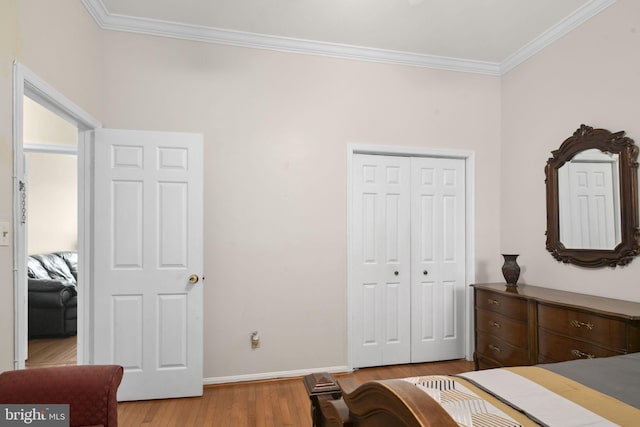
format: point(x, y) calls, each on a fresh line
point(544, 406)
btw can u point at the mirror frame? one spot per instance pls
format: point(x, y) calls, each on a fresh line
point(582, 139)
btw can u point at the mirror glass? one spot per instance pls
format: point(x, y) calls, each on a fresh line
point(589, 201)
point(592, 199)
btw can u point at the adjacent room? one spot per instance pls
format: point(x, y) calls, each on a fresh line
point(51, 219)
point(264, 198)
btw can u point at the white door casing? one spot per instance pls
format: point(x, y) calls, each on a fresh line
point(147, 243)
point(437, 259)
point(26, 83)
point(380, 259)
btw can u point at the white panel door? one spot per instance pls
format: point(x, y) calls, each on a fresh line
point(148, 242)
point(589, 218)
point(437, 259)
point(380, 291)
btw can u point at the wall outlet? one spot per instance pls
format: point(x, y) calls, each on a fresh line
point(255, 340)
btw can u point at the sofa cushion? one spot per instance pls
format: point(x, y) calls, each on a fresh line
point(55, 266)
point(35, 270)
point(71, 258)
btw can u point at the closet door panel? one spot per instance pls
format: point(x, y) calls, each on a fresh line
point(380, 257)
point(438, 258)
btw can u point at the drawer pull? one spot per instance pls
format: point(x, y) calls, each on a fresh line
point(494, 324)
point(581, 355)
point(578, 324)
point(494, 348)
point(493, 301)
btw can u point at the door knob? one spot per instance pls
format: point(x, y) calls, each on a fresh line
point(396, 273)
point(425, 272)
point(193, 279)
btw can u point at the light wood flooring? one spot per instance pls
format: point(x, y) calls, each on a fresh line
point(275, 403)
point(52, 352)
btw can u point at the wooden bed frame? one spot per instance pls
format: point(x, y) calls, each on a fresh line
point(383, 403)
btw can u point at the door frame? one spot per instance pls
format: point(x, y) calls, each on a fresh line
point(27, 83)
point(469, 159)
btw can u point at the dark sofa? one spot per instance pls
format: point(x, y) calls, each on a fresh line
point(53, 302)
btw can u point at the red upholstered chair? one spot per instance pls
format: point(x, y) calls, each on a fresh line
point(90, 391)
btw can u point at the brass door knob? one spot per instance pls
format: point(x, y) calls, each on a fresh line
point(193, 279)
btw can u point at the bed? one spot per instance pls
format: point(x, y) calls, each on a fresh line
point(593, 392)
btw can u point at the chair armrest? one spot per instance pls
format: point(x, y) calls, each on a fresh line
point(90, 391)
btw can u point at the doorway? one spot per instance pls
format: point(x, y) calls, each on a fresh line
point(51, 202)
point(29, 85)
point(410, 255)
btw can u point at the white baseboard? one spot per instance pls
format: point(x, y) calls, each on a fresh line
point(273, 375)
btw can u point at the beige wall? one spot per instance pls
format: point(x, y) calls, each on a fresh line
point(590, 76)
point(68, 56)
point(62, 44)
point(41, 126)
point(276, 128)
point(52, 182)
point(53, 203)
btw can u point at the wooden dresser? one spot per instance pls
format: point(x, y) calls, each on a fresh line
point(530, 325)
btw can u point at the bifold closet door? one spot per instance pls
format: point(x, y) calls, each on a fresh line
point(438, 263)
point(380, 259)
point(407, 259)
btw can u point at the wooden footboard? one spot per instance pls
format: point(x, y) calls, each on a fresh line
point(387, 403)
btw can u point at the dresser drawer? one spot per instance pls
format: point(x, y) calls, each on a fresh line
point(591, 327)
point(558, 348)
point(506, 354)
point(513, 307)
point(503, 327)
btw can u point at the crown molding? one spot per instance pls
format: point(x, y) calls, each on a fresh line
point(562, 28)
point(115, 22)
point(109, 21)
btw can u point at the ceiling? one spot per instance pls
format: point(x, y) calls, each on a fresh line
point(487, 36)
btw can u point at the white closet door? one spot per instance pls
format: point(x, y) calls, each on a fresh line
point(380, 291)
point(437, 259)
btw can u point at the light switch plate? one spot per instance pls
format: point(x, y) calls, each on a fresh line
point(5, 236)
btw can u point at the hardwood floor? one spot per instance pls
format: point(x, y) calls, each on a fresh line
point(52, 352)
point(276, 403)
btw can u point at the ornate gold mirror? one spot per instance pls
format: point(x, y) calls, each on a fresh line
point(592, 199)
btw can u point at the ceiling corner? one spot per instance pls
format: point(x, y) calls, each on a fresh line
point(140, 25)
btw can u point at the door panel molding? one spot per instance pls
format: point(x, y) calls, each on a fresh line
point(148, 204)
point(381, 260)
point(442, 229)
point(469, 159)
